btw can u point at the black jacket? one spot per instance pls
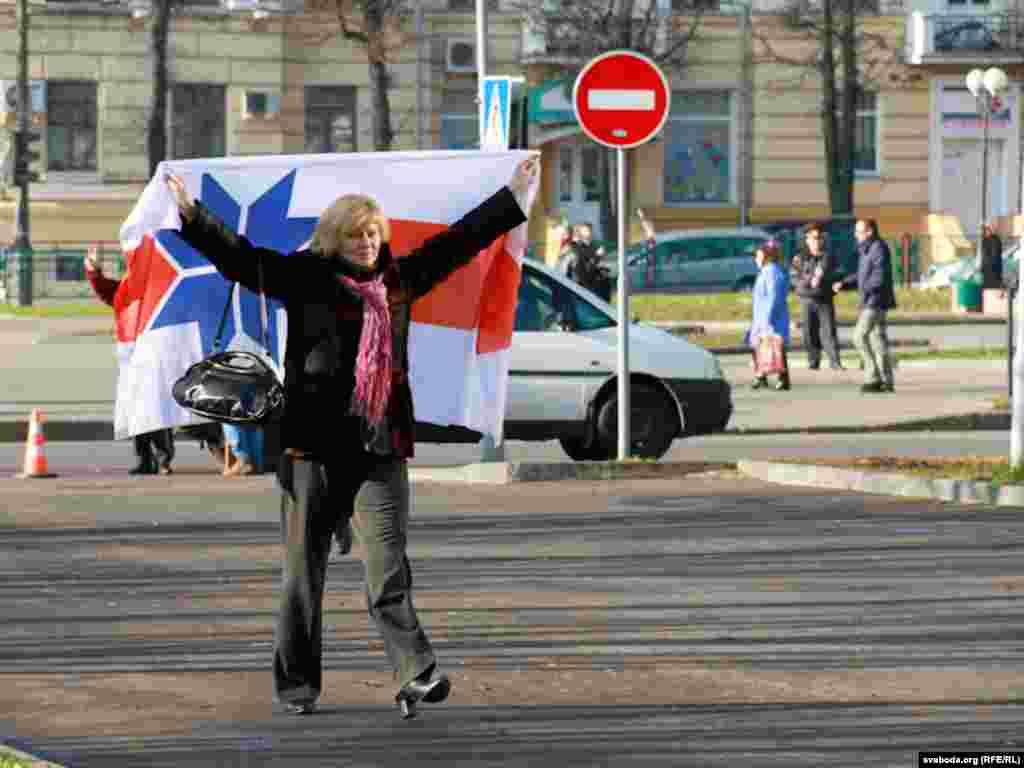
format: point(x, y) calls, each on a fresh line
point(992, 261)
point(874, 275)
point(325, 320)
point(802, 277)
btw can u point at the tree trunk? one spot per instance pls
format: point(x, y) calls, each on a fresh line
point(828, 104)
point(156, 128)
point(383, 137)
point(843, 203)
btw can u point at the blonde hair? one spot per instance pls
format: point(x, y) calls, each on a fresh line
point(347, 215)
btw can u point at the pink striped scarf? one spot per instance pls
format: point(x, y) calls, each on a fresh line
point(374, 359)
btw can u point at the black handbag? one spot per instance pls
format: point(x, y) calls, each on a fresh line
point(233, 387)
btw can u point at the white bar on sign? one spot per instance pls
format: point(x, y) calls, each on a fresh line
point(609, 98)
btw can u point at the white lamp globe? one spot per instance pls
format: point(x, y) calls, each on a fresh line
point(975, 81)
point(995, 81)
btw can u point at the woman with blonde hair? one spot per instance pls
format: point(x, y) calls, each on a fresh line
point(347, 428)
point(770, 312)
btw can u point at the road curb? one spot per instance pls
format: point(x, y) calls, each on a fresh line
point(883, 483)
point(504, 472)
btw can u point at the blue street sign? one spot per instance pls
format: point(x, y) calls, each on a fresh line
point(495, 113)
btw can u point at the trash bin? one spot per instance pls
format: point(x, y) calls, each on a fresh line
point(967, 295)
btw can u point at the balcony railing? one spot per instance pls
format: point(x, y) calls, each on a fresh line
point(948, 38)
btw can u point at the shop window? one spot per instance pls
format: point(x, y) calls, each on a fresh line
point(699, 153)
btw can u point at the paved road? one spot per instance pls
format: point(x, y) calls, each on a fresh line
point(708, 620)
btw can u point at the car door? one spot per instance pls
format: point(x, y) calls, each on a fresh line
point(552, 367)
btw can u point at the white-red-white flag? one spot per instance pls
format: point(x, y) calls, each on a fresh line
point(169, 304)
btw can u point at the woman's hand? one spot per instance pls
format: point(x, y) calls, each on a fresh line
point(524, 174)
point(186, 205)
point(92, 264)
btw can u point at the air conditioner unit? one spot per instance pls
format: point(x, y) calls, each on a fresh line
point(460, 55)
point(260, 104)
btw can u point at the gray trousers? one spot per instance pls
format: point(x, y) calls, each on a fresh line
point(317, 498)
point(871, 338)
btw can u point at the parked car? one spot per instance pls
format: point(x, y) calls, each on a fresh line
point(694, 260)
point(563, 377)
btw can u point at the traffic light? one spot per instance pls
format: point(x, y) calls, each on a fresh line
point(24, 156)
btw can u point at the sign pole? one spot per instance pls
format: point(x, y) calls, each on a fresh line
point(620, 157)
point(621, 100)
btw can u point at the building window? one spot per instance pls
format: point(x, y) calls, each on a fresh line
point(865, 150)
point(698, 148)
point(198, 127)
point(70, 126)
point(331, 118)
point(459, 120)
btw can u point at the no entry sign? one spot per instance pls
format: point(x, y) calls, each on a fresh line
point(621, 99)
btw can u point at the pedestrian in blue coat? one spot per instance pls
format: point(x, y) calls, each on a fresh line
point(770, 311)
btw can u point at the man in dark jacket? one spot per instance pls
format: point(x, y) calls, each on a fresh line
point(991, 258)
point(812, 275)
point(585, 264)
point(877, 297)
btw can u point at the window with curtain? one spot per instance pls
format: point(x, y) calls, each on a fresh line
point(698, 148)
point(198, 127)
point(330, 118)
point(70, 125)
point(865, 150)
point(459, 120)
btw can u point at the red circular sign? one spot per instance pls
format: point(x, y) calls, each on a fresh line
point(621, 99)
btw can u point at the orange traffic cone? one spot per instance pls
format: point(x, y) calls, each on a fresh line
point(35, 456)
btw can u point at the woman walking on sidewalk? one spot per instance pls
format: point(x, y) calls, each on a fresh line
point(348, 423)
point(770, 313)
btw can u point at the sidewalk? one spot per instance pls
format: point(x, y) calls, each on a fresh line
point(66, 367)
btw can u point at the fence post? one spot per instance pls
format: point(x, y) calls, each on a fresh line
point(905, 241)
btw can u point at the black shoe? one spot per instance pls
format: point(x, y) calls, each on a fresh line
point(888, 388)
point(430, 687)
point(782, 385)
point(759, 382)
point(301, 707)
point(144, 468)
point(813, 366)
point(874, 386)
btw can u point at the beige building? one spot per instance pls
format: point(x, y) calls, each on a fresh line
point(743, 141)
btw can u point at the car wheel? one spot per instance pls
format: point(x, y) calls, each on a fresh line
point(653, 423)
point(578, 449)
point(746, 285)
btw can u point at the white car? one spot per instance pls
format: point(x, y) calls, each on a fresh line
point(563, 377)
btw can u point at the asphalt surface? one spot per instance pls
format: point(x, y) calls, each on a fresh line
point(706, 620)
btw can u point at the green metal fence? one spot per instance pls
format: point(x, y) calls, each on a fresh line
point(58, 269)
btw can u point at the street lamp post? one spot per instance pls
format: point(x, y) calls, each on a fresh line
point(985, 86)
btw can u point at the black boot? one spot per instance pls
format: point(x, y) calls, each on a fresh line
point(783, 383)
point(427, 686)
point(760, 382)
point(144, 467)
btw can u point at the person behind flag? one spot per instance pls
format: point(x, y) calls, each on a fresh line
point(347, 428)
point(154, 450)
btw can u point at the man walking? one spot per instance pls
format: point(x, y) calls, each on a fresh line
point(877, 297)
point(813, 272)
point(586, 265)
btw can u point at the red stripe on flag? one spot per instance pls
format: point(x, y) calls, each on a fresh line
point(500, 294)
point(455, 303)
point(146, 281)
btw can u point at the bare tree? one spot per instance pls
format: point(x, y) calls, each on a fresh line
point(381, 28)
point(576, 31)
point(845, 58)
point(156, 124)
